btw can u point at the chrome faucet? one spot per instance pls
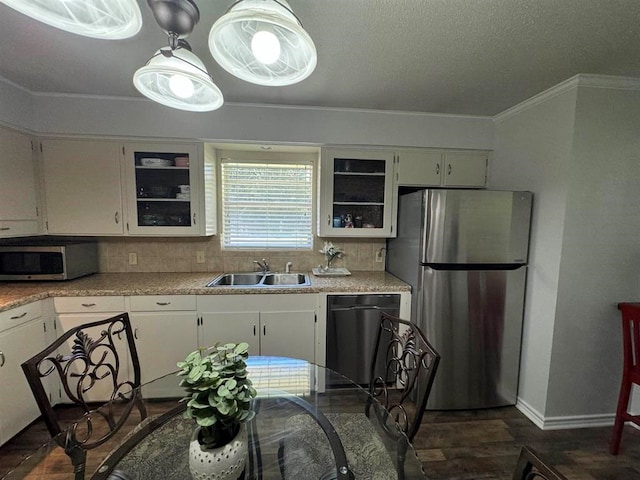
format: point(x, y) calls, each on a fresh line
point(264, 265)
point(287, 267)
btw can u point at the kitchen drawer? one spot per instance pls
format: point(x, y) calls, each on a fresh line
point(19, 315)
point(89, 304)
point(162, 303)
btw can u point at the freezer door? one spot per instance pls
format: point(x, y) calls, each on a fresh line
point(474, 320)
point(476, 227)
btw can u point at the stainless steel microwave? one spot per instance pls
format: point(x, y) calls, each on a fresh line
point(48, 262)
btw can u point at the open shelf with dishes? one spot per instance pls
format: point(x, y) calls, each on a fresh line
point(162, 189)
point(356, 193)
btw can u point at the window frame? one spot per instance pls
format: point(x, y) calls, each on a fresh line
point(277, 157)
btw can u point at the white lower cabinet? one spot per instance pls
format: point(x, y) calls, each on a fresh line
point(23, 333)
point(279, 324)
point(165, 331)
point(74, 311)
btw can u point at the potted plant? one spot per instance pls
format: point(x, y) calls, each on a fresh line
point(218, 396)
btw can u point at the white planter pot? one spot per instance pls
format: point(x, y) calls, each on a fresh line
point(222, 463)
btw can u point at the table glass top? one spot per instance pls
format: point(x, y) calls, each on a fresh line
point(294, 399)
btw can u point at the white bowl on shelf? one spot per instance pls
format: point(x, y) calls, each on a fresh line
point(155, 162)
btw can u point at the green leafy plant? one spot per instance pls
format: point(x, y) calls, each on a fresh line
point(218, 390)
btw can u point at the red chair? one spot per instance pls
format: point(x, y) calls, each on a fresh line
point(630, 370)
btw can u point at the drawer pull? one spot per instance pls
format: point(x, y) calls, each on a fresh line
point(163, 304)
point(4, 229)
point(88, 305)
point(1, 359)
point(15, 317)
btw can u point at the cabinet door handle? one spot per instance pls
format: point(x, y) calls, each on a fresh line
point(449, 170)
point(1, 359)
point(254, 330)
point(135, 333)
point(163, 304)
point(116, 217)
point(329, 219)
point(264, 330)
point(437, 169)
point(88, 305)
point(194, 218)
point(15, 317)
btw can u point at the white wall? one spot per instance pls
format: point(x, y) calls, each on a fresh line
point(532, 152)
point(75, 115)
point(600, 253)
point(577, 148)
point(16, 106)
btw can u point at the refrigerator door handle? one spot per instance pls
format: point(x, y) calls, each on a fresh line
point(476, 266)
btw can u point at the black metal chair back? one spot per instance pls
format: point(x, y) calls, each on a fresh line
point(531, 467)
point(411, 364)
point(90, 364)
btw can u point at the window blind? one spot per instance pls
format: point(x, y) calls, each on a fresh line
point(266, 204)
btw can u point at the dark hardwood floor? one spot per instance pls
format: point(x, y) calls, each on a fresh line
point(479, 444)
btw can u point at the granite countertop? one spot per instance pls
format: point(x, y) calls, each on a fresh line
point(15, 294)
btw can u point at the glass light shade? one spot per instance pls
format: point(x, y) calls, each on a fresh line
point(179, 81)
point(104, 19)
point(231, 38)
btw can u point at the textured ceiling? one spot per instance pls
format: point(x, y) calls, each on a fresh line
point(476, 57)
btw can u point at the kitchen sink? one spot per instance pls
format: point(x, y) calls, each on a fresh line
point(239, 279)
point(285, 279)
point(260, 280)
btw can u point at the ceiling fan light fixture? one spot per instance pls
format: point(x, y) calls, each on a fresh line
point(103, 19)
point(178, 79)
point(235, 43)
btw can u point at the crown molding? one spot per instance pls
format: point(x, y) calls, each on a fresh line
point(577, 81)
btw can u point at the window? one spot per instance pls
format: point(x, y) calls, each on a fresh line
point(266, 204)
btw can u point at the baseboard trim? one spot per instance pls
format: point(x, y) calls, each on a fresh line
point(565, 422)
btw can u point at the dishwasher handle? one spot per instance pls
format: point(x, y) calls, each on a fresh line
point(358, 307)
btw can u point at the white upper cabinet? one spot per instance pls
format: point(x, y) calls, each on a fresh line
point(18, 199)
point(419, 168)
point(100, 187)
point(82, 181)
point(435, 168)
point(356, 193)
point(163, 188)
point(465, 169)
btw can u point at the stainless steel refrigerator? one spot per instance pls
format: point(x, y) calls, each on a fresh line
point(464, 253)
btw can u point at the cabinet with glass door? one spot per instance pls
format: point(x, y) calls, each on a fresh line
point(356, 194)
point(162, 188)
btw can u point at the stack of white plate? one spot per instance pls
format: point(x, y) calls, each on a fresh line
point(155, 162)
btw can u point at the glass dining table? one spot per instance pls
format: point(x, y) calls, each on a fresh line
point(315, 413)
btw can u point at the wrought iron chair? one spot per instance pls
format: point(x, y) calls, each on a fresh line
point(531, 467)
point(89, 364)
point(630, 371)
point(397, 400)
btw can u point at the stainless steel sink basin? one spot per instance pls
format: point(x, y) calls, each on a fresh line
point(230, 279)
point(285, 279)
point(260, 280)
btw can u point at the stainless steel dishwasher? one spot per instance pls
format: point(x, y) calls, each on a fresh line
point(352, 326)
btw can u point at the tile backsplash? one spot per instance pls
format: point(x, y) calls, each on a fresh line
point(181, 255)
